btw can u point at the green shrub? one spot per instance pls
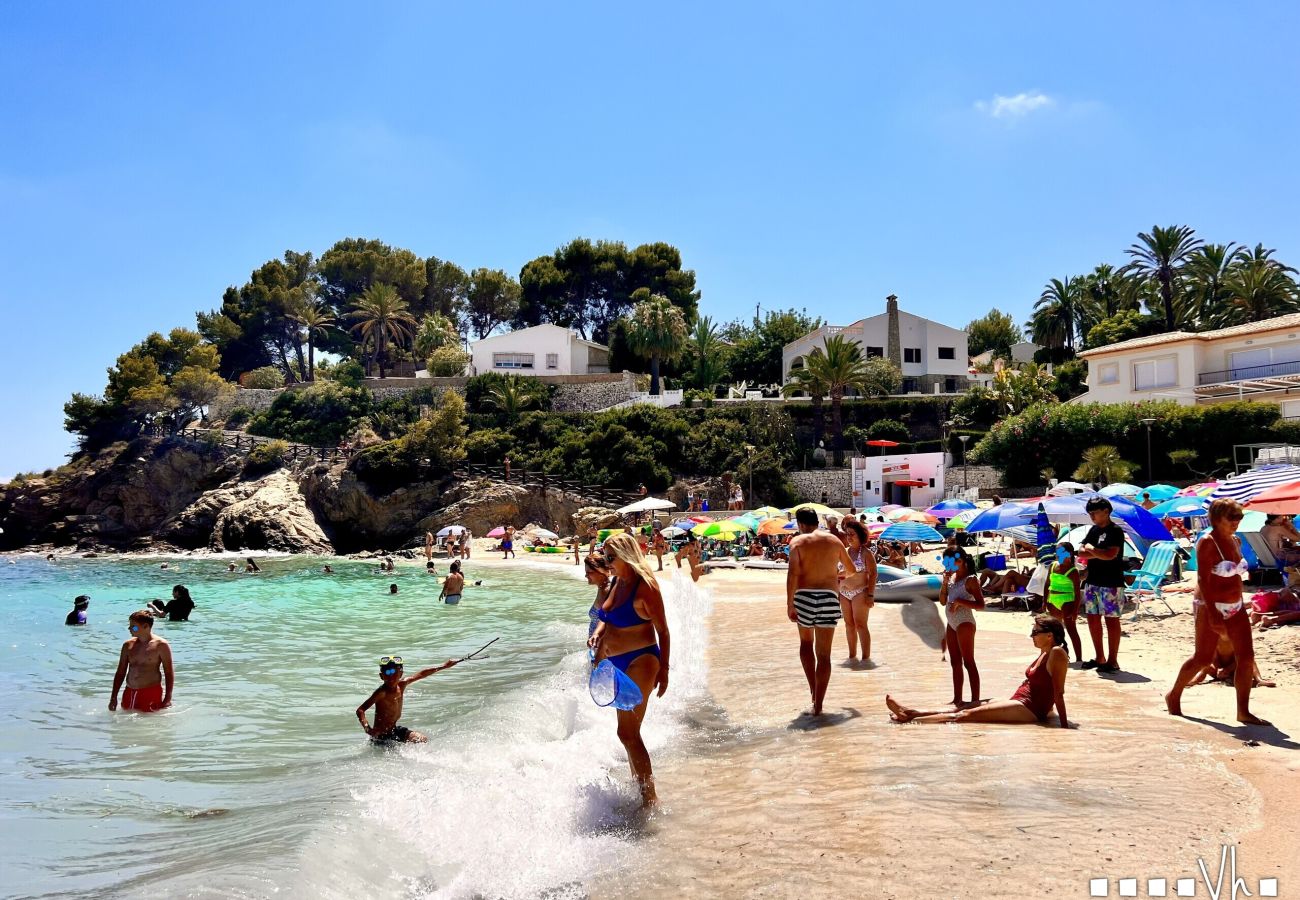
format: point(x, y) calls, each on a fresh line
point(265, 378)
point(1055, 436)
point(430, 447)
point(447, 362)
point(238, 417)
point(489, 445)
point(478, 391)
point(348, 373)
point(321, 415)
point(888, 430)
point(266, 457)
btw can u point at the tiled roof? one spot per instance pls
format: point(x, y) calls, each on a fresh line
point(1173, 337)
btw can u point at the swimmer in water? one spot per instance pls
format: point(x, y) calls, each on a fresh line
point(78, 614)
point(178, 610)
point(164, 566)
point(252, 568)
point(328, 570)
point(231, 568)
point(431, 568)
point(392, 589)
point(387, 701)
point(454, 586)
point(49, 557)
point(144, 664)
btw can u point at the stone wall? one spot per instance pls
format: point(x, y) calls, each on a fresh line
point(590, 396)
point(986, 478)
point(837, 484)
point(256, 399)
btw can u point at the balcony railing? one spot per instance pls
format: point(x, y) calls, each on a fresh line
point(1248, 373)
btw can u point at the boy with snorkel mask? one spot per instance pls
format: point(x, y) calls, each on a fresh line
point(387, 701)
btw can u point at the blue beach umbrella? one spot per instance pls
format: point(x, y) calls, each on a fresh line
point(1181, 507)
point(1044, 533)
point(1120, 489)
point(910, 531)
point(1246, 485)
point(1131, 517)
point(950, 508)
point(1008, 515)
point(1160, 492)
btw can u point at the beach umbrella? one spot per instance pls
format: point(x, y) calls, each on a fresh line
point(1025, 534)
point(1120, 489)
point(881, 442)
point(1127, 514)
point(1076, 535)
point(451, 529)
point(815, 507)
point(725, 529)
point(1204, 489)
point(544, 534)
point(768, 512)
point(912, 515)
point(672, 531)
point(910, 531)
point(1065, 488)
point(698, 519)
point(1044, 533)
point(1008, 515)
point(750, 522)
point(776, 526)
point(875, 528)
point(685, 524)
point(1248, 485)
point(963, 519)
point(499, 531)
point(888, 507)
point(1159, 492)
point(1181, 507)
point(648, 504)
point(946, 509)
point(1284, 499)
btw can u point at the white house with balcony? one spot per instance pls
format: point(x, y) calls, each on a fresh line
point(931, 356)
point(540, 350)
point(1256, 361)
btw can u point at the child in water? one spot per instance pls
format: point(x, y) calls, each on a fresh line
point(78, 614)
point(387, 701)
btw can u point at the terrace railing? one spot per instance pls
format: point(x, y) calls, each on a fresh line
point(1248, 373)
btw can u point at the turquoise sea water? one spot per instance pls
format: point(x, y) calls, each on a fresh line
point(259, 781)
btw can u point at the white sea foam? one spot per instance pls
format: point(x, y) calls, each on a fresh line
point(530, 798)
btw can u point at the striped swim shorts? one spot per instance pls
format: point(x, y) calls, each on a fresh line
point(815, 608)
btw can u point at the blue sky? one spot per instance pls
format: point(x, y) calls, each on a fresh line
point(811, 155)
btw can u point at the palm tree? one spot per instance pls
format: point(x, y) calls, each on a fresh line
point(315, 318)
point(1206, 272)
point(806, 380)
point(381, 314)
point(656, 331)
point(1058, 313)
point(511, 397)
point(706, 349)
point(1258, 288)
point(1103, 464)
point(840, 367)
point(1159, 256)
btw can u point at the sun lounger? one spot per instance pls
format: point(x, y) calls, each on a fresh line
point(1148, 581)
point(1267, 561)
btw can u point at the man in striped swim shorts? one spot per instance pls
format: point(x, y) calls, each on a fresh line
point(813, 600)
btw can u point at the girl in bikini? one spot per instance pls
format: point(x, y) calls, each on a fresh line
point(1064, 589)
point(857, 591)
point(633, 618)
point(961, 596)
point(1043, 688)
point(1219, 609)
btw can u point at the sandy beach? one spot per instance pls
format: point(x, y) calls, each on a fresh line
point(770, 802)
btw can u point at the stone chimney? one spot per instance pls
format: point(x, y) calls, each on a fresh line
point(894, 351)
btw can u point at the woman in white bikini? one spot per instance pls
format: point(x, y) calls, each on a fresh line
point(858, 590)
point(1219, 609)
point(961, 596)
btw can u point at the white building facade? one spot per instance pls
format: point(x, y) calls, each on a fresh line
point(540, 350)
point(1257, 361)
point(908, 479)
point(931, 356)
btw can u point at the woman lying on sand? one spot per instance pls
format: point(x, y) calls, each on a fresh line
point(1043, 687)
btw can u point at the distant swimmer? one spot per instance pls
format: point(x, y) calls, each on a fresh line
point(387, 701)
point(327, 570)
point(392, 589)
point(164, 566)
point(454, 586)
point(813, 599)
point(178, 610)
point(145, 664)
point(78, 614)
point(232, 568)
point(431, 568)
point(49, 557)
point(252, 568)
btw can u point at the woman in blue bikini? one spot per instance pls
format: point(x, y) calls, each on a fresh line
point(634, 637)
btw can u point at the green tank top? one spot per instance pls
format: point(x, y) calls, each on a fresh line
point(1060, 589)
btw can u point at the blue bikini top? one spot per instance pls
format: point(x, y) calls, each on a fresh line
point(624, 615)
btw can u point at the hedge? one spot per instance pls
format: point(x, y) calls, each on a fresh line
point(1055, 436)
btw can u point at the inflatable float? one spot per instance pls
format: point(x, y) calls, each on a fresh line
point(897, 586)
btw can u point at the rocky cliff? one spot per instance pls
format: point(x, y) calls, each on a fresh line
point(170, 494)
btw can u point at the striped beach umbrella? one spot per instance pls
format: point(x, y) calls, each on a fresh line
point(910, 531)
point(1247, 485)
point(1204, 489)
point(1284, 499)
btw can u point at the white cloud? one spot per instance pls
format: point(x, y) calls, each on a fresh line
point(1016, 107)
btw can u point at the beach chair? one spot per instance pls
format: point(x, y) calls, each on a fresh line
point(1267, 561)
point(1148, 581)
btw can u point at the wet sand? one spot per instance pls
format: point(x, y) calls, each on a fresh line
point(773, 803)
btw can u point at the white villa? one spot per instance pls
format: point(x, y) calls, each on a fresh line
point(931, 356)
point(1257, 361)
point(540, 350)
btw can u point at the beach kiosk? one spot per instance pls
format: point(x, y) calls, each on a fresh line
point(907, 479)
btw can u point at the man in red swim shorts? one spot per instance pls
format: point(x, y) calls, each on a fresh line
point(145, 663)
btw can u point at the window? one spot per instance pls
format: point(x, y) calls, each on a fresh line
point(911, 354)
point(950, 385)
point(910, 386)
point(552, 360)
point(947, 352)
point(875, 351)
point(1155, 373)
point(512, 360)
point(1108, 373)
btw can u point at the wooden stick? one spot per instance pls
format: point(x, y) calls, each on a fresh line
point(475, 654)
